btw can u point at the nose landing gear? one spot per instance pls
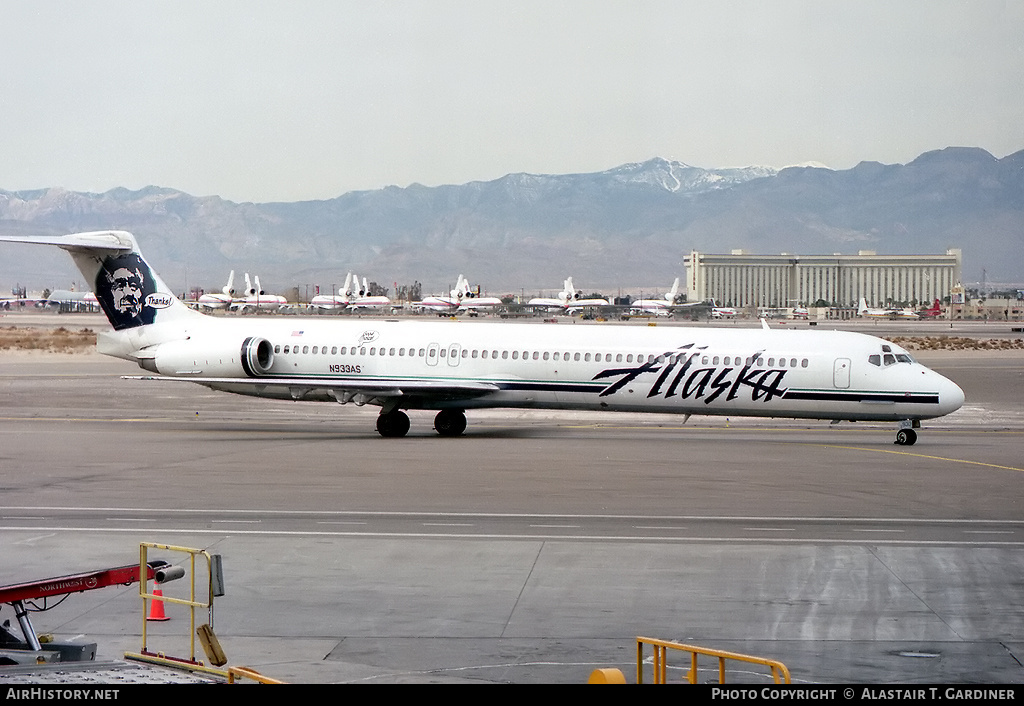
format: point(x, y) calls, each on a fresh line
point(906, 436)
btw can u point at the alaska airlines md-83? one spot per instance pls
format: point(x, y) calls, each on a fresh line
point(450, 367)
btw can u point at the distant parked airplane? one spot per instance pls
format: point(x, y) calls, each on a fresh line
point(891, 313)
point(461, 299)
point(221, 299)
point(722, 312)
point(255, 299)
point(568, 300)
point(934, 311)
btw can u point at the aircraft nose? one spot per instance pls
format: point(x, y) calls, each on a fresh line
point(951, 397)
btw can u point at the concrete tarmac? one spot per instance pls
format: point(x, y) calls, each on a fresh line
point(535, 548)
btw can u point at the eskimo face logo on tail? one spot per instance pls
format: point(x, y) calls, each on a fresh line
point(124, 286)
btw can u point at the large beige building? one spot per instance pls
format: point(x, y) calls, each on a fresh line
point(743, 280)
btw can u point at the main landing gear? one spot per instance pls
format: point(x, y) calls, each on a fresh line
point(395, 424)
point(906, 436)
point(450, 422)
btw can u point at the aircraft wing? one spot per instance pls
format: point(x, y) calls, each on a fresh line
point(690, 305)
point(345, 389)
point(7, 301)
point(590, 304)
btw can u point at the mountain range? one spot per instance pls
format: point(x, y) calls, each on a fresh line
point(624, 229)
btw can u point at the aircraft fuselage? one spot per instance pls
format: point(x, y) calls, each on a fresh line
point(451, 366)
point(819, 374)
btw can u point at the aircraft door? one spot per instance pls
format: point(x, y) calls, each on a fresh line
point(454, 354)
point(841, 373)
point(432, 350)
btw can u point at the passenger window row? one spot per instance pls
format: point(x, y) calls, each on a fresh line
point(542, 355)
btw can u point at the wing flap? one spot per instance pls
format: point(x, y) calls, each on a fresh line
point(345, 388)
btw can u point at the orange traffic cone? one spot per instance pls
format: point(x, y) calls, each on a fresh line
point(156, 606)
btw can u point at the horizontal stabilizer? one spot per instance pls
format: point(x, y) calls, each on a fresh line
point(117, 241)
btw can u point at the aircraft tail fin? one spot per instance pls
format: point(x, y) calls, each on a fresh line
point(571, 289)
point(862, 307)
point(566, 294)
point(229, 288)
point(130, 293)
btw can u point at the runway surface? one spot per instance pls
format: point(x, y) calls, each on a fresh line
point(538, 546)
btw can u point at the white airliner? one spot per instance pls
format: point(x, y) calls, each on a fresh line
point(256, 299)
point(443, 305)
point(333, 301)
point(658, 307)
point(472, 301)
point(21, 300)
point(665, 306)
point(221, 299)
point(556, 303)
point(14, 303)
point(568, 300)
point(462, 298)
point(722, 312)
point(352, 296)
point(895, 313)
point(452, 367)
point(64, 297)
point(361, 299)
point(577, 301)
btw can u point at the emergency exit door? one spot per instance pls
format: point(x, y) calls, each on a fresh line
point(841, 373)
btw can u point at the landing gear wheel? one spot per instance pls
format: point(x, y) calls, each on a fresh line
point(393, 424)
point(906, 437)
point(450, 422)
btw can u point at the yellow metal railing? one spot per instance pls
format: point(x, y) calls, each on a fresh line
point(192, 602)
point(779, 672)
point(235, 673)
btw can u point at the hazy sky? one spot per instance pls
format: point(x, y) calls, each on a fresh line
point(294, 100)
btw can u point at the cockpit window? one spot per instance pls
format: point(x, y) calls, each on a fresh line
point(888, 358)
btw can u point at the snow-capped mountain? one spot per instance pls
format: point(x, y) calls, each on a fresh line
point(625, 227)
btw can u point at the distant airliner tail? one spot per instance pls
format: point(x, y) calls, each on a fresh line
point(570, 289)
point(673, 293)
